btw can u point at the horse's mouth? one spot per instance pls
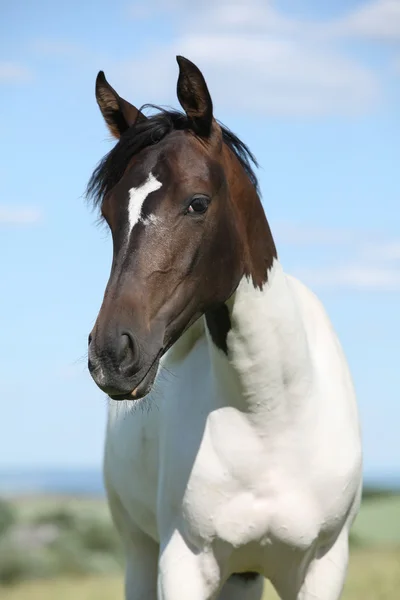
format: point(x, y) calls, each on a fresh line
point(144, 386)
point(146, 383)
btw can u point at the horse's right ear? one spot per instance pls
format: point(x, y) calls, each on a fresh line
point(118, 114)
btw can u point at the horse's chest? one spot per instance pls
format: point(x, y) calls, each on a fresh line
point(235, 489)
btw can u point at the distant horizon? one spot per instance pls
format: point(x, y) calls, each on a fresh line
point(371, 477)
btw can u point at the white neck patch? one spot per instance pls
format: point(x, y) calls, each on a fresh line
point(136, 198)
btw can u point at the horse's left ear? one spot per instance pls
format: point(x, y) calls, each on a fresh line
point(118, 114)
point(195, 98)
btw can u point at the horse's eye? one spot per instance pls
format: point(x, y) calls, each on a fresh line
point(199, 204)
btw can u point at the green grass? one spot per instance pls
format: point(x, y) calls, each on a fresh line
point(28, 507)
point(84, 563)
point(373, 575)
point(54, 537)
point(378, 522)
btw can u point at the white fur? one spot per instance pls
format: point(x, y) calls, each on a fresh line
point(137, 196)
point(246, 463)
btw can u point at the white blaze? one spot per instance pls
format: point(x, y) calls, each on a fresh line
point(136, 198)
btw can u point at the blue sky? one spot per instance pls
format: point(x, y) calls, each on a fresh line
point(315, 92)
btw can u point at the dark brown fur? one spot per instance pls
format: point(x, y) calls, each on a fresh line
point(190, 264)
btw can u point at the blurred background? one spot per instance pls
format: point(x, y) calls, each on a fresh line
point(314, 89)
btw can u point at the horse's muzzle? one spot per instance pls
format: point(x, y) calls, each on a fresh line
point(120, 368)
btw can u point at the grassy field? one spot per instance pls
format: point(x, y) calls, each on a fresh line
point(82, 566)
point(379, 522)
point(373, 575)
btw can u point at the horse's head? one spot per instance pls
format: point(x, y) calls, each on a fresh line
point(179, 196)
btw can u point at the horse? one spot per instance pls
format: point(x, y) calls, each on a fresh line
point(233, 450)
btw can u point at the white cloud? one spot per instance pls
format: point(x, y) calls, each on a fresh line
point(386, 251)
point(353, 276)
point(255, 58)
point(379, 19)
point(282, 76)
point(12, 72)
point(19, 216)
point(371, 262)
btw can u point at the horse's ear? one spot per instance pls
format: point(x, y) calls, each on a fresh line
point(118, 114)
point(194, 97)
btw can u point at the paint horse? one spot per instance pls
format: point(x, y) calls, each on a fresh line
point(246, 462)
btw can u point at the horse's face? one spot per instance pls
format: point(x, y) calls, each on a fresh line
point(175, 231)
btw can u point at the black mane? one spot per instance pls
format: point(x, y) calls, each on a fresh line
point(146, 133)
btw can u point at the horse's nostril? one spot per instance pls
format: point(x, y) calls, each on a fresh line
point(127, 351)
point(113, 355)
point(126, 345)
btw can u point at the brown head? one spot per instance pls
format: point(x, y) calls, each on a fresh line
point(180, 198)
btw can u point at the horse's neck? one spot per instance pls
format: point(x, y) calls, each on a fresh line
point(267, 366)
